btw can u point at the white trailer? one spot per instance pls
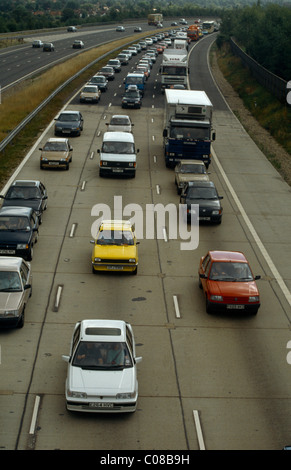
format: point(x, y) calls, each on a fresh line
point(174, 69)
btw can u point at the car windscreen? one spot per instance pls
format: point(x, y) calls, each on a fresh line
point(201, 193)
point(119, 121)
point(230, 271)
point(55, 147)
point(68, 117)
point(102, 355)
point(23, 192)
point(14, 223)
point(197, 169)
point(118, 147)
point(10, 282)
point(115, 237)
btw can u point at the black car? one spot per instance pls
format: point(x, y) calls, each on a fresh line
point(18, 231)
point(48, 47)
point(100, 81)
point(131, 98)
point(27, 193)
point(69, 122)
point(205, 194)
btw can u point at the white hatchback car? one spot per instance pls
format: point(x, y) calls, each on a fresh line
point(102, 375)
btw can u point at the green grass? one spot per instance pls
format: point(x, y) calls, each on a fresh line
point(273, 116)
point(17, 103)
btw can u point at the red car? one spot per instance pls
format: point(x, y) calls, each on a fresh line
point(228, 282)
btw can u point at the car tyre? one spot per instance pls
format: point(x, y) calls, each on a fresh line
point(20, 324)
point(208, 307)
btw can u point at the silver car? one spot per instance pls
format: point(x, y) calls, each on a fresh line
point(15, 290)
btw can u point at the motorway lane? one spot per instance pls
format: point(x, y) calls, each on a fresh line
point(232, 370)
point(23, 60)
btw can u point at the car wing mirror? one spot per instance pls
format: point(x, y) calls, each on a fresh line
point(66, 358)
point(138, 359)
point(257, 277)
point(203, 276)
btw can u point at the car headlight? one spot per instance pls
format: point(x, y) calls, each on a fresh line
point(11, 313)
point(44, 159)
point(254, 298)
point(74, 394)
point(216, 212)
point(132, 260)
point(22, 247)
point(97, 260)
point(216, 297)
point(123, 396)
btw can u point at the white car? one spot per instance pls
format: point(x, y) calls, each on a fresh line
point(120, 122)
point(37, 43)
point(102, 372)
point(15, 290)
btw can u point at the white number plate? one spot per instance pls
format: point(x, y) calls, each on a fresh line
point(115, 267)
point(235, 307)
point(117, 170)
point(101, 405)
point(7, 252)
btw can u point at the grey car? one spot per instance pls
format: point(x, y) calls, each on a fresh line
point(100, 81)
point(27, 193)
point(15, 290)
point(203, 194)
point(69, 122)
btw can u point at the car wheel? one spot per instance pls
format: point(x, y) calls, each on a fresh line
point(21, 320)
point(94, 271)
point(30, 254)
point(208, 307)
point(135, 271)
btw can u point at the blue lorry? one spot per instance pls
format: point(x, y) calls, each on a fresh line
point(188, 129)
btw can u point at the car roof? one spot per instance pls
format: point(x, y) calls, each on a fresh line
point(70, 112)
point(10, 263)
point(117, 224)
point(123, 116)
point(103, 330)
point(202, 184)
point(16, 210)
point(118, 136)
point(228, 256)
point(26, 183)
point(57, 139)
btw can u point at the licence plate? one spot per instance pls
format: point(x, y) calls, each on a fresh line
point(53, 163)
point(101, 405)
point(66, 131)
point(117, 170)
point(115, 267)
point(235, 307)
point(204, 218)
point(7, 252)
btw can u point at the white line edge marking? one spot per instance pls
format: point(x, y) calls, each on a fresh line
point(257, 239)
point(176, 305)
point(34, 415)
point(198, 430)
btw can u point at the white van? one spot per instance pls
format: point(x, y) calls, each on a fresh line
point(118, 154)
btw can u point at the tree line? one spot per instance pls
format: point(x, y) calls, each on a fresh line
point(264, 33)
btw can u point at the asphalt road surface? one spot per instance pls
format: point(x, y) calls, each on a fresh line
point(206, 381)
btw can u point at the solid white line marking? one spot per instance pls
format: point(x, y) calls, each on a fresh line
point(34, 415)
point(176, 305)
point(257, 239)
point(198, 430)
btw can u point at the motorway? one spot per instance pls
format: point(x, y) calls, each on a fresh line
point(206, 381)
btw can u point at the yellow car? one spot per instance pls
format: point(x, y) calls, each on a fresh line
point(115, 247)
